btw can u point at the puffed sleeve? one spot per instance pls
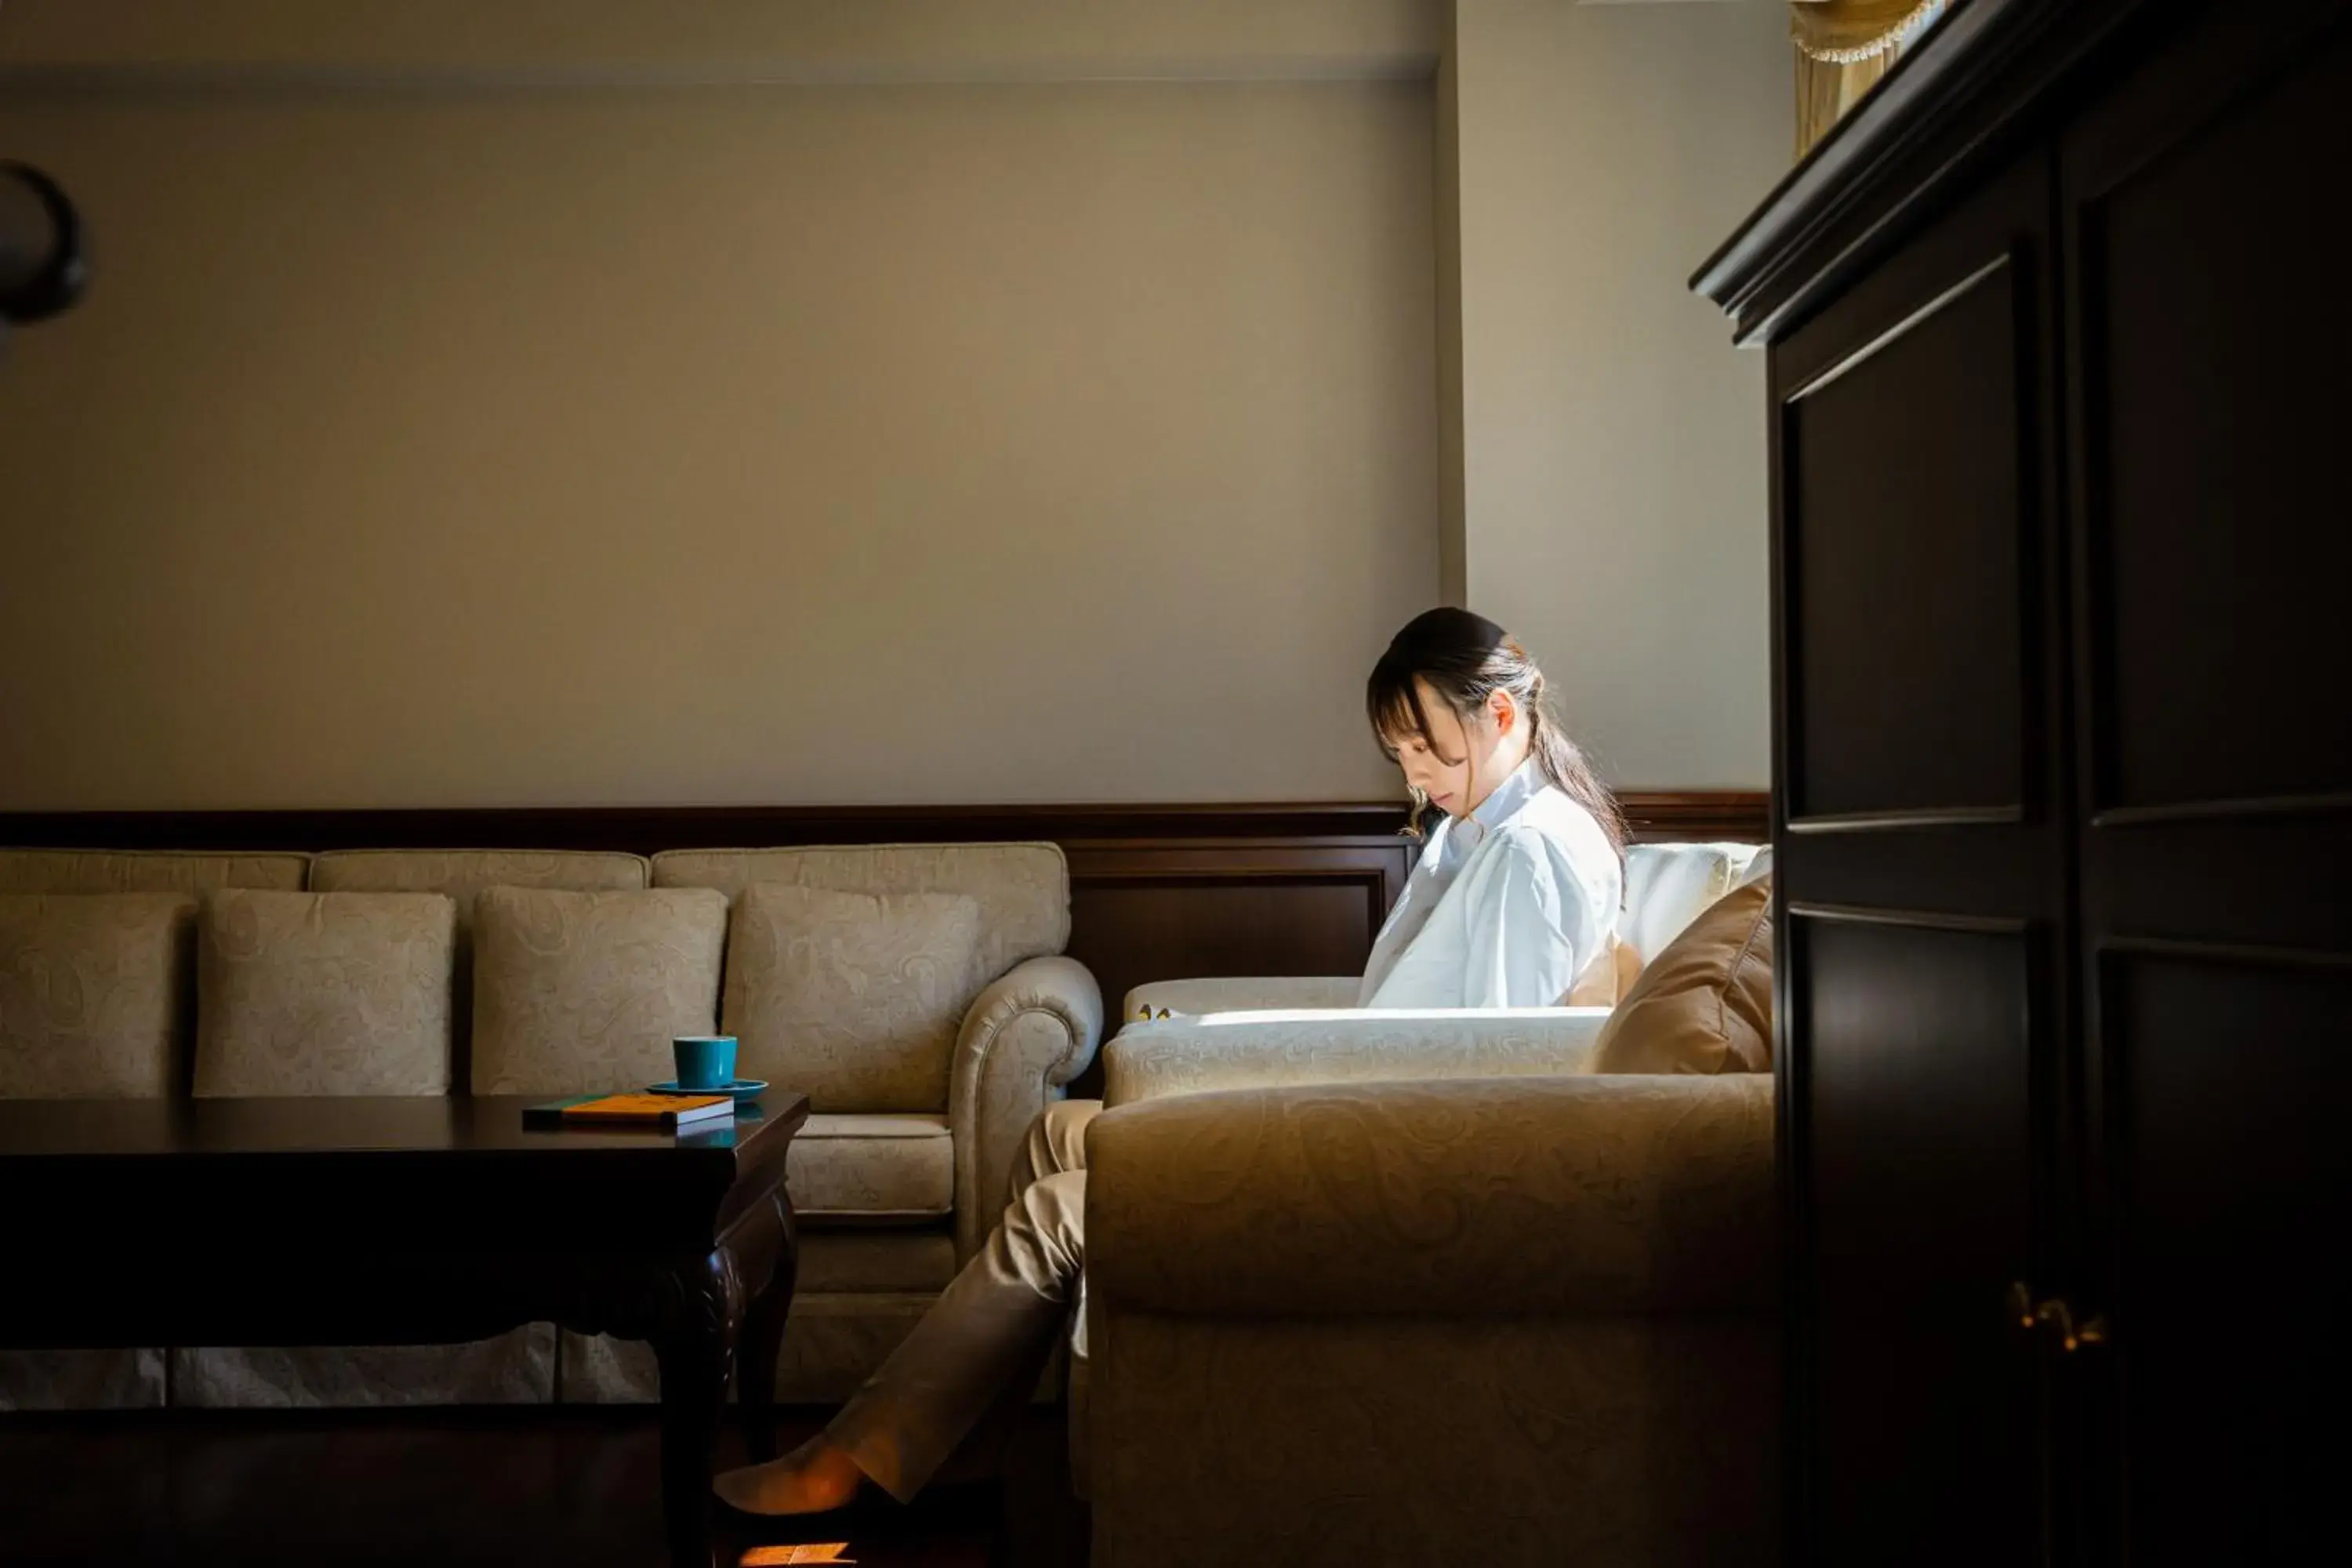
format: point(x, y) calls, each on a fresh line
point(1532, 928)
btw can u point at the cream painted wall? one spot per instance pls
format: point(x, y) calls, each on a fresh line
point(1613, 462)
point(469, 445)
point(959, 40)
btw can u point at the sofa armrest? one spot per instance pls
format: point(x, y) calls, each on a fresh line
point(1250, 993)
point(1615, 1196)
point(1268, 1050)
point(1026, 1036)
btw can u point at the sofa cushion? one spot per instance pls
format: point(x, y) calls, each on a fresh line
point(463, 874)
point(871, 1170)
point(1022, 889)
point(96, 985)
point(837, 1260)
point(576, 992)
point(853, 998)
point(1666, 886)
point(146, 871)
point(1704, 1005)
point(323, 992)
point(93, 988)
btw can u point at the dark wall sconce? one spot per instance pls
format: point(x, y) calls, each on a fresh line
point(44, 260)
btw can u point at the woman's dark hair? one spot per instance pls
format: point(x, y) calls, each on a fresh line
point(1466, 659)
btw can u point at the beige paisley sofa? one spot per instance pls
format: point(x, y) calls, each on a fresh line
point(559, 973)
point(1417, 1286)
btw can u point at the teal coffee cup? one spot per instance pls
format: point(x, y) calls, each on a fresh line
point(704, 1061)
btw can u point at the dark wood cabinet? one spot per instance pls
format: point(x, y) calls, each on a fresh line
point(2062, 675)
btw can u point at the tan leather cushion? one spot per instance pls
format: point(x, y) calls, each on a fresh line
point(1608, 979)
point(1704, 1005)
point(323, 992)
point(578, 993)
point(871, 1168)
point(852, 998)
point(91, 992)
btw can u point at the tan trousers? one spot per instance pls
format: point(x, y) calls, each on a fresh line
point(978, 1352)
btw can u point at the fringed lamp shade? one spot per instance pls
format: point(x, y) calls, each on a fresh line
point(1844, 46)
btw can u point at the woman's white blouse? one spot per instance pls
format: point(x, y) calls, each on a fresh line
point(1506, 909)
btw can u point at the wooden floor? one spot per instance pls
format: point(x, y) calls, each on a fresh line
point(578, 1487)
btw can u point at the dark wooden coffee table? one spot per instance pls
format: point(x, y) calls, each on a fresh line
point(332, 1222)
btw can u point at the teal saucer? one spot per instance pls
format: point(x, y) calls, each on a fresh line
point(741, 1089)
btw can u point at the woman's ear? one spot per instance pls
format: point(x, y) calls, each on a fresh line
point(1502, 710)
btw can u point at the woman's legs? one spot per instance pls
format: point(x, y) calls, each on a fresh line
point(991, 1328)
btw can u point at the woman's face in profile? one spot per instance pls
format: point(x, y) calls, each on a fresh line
point(1438, 765)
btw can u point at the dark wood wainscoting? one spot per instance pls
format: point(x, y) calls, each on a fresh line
point(1157, 893)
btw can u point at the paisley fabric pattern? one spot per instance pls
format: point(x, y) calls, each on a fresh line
point(463, 874)
point(1027, 1035)
point(1632, 1442)
point(93, 991)
point(582, 992)
point(1515, 1321)
point(1704, 1005)
point(517, 1368)
point(853, 998)
point(1239, 1050)
point(1471, 1197)
point(323, 992)
point(842, 1170)
point(146, 871)
point(1022, 889)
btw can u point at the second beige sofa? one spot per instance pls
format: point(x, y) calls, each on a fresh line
point(897, 1175)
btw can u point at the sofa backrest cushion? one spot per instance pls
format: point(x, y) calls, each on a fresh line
point(146, 870)
point(463, 874)
point(1666, 886)
point(94, 990)
point(1704, 1005)
point(853, 998)
point(1022, 889)
point(580, 993)
point(1277, 1049)
point(323, 992)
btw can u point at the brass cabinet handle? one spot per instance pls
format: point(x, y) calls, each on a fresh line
point(2021, 1303)
point(2057, 1315)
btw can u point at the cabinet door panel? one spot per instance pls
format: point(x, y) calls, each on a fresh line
point(2225, 1090)
point(1917, 1089)
point(1904, 510)
point(2206, 409)
point(1921, 765)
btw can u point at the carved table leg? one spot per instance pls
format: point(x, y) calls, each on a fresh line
point(696, 1346)
point(763, 1339)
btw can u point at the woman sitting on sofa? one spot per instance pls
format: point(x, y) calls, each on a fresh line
point(1515, 899)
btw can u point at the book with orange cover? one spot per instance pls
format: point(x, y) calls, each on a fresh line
point(665, 1113)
